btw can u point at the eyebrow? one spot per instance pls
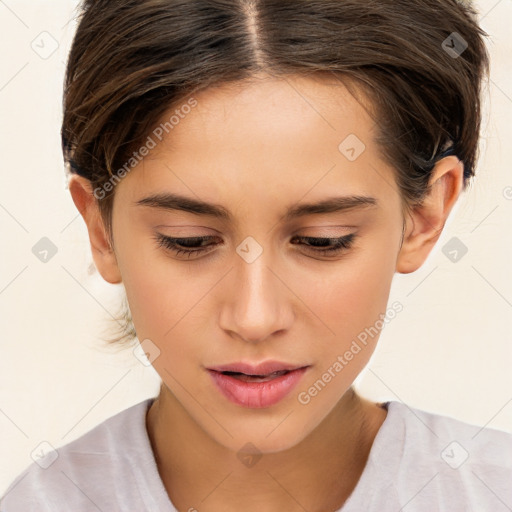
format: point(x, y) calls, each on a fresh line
point(169, 201)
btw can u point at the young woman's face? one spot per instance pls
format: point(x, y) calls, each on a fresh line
point(259, 292)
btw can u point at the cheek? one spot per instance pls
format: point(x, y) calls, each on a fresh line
point(167, 301)
point(154, 287)
point(351, 302)
point(352, 296)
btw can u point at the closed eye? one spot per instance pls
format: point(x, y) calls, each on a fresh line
point(196, 245)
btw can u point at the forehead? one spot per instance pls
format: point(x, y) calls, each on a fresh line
point(260, 109)
point(265, 140)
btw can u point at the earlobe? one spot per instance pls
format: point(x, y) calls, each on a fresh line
point(425, 223)
point(102, 252)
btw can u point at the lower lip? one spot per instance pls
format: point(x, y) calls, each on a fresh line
point(257, 395)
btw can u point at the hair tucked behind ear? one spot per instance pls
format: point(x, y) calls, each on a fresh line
point(420, 63)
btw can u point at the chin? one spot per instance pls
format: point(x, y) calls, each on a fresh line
point(271, 437)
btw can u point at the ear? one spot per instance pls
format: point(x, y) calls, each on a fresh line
point(102, 253)
point(425, 222)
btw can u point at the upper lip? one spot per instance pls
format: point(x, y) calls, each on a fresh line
point(264, 368)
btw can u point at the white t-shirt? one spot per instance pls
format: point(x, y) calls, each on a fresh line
point(419, 461)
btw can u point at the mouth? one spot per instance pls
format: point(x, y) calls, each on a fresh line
point(256, 386)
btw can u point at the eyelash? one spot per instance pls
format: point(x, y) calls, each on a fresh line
point(338, 245)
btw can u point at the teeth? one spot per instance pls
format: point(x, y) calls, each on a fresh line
point(273, 374)
point(282, 372)
point(255, 378)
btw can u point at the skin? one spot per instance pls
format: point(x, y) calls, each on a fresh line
point(257, 148)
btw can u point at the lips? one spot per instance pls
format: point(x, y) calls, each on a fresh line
point(256, 385)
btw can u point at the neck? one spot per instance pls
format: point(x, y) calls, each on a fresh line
point(199, 472)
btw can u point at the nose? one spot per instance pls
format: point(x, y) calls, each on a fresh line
point(259, 302)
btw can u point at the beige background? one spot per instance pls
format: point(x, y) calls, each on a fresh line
point(449, 351)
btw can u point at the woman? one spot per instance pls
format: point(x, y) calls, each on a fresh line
point(255, 173)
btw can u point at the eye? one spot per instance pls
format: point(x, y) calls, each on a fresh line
point(334, 245)
point(195, 245)
point(192, 245)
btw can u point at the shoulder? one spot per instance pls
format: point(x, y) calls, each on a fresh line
point(74, 476)
point(458, 441)
point(442, 463)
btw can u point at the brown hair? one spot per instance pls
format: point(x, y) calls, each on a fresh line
point(420, 62)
